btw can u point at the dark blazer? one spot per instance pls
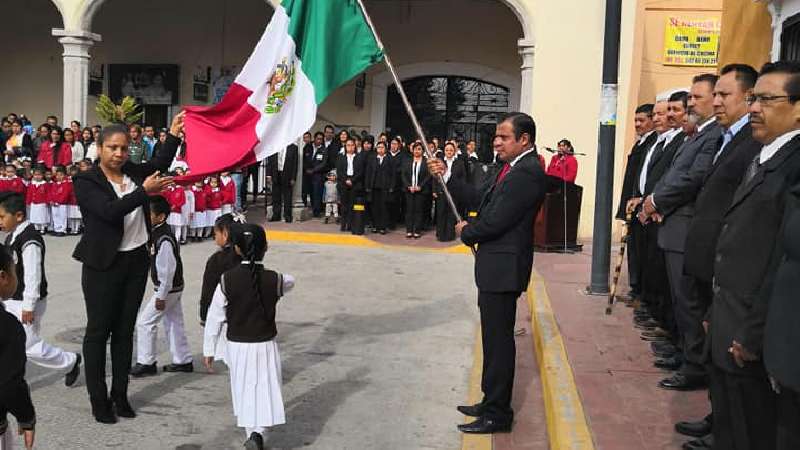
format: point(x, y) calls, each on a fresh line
point(782, 332)
point(308, 156)
point(635, 158)
point(459, 171)
point(743, 258)
point(319, 162)
point(503, 229)
point(674, 194)
point(660, 163)
point(103, 212)
point(424, 180)
point(357, 179)
point(713, 200)
point(332, 153)
point(380, 176)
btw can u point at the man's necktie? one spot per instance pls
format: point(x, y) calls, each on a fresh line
point(752, 169)
point(503, 172)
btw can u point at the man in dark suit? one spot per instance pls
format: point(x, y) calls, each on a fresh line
point(308, 153)
point(503, 262)
point(672, 204)
point(742, 399)
point(283, 171)
point(643, 122)
point(379, 185)
point(735, 151)
point(317, 170)
point(656, 296)
point(332, 147)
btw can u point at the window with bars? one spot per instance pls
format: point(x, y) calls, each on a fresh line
point(790, 39)
point(449, 107)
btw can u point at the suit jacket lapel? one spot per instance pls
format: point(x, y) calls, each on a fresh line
point(770, 166)
point(743, 134)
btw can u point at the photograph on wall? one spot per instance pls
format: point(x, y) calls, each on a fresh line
point(149, 84)
point(200, 92)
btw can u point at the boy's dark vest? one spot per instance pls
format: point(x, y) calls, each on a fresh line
point(29, 236)
point(160, 234)
point(251, 320)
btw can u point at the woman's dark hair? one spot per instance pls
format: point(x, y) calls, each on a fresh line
point(60, 168)
point(91, 135)
point(6, 260)
point(75, 122)
point(567, 143)
point(252, 242)
point(111, 130)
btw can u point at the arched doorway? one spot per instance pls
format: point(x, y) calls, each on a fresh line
point(457, 107)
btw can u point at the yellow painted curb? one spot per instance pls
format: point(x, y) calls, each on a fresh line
point(476, 441)
point(353, 241)
point(567, 427)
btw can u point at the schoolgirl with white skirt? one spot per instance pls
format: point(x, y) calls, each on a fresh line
point(214, 197)
point(187, 212)
point(37, 199)
point(198, 223)
point(246, 300)
point(75, 219)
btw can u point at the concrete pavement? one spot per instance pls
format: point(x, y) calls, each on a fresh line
point(376, 347)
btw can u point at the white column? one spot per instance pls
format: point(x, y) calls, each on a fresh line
point(76, 72)
point(526, 50)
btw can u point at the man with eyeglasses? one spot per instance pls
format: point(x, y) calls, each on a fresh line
point(733, 152)
point(742, 399)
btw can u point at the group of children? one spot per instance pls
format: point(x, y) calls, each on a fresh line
point(237, 310)
point(50, 201)
point(194, 208)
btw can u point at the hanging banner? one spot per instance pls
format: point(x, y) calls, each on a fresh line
point(691, 42)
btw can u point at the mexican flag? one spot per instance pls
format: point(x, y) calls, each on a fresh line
point(310, 48)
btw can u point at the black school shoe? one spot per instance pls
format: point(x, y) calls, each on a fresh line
point(254, 442)
point(72, 376)
point(485, 425)
point(144, 370)
point(187, 368)
point(123, 408)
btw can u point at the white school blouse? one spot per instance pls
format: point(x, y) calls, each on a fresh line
point(134, 234)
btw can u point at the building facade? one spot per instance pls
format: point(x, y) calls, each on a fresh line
point(463, 61)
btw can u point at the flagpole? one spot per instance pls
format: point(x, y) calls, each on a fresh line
point(409, 110)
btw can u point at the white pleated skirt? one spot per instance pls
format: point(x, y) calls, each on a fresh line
point(74, 212)
point(40, 213)
point(211, 216)
point(199, 220)
point(175, 219)
point(227, 208)
point(255, 369)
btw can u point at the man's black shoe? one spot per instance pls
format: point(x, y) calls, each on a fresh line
point(485, 425)
point(72, 375)
point(188, 367)
point(475, 410)
point(254, 442)
point(123, 408)
point(672, 363)
point(144, 370)
point(103, 412)
point(704, 443)
point(680, 382)
point(695, 429)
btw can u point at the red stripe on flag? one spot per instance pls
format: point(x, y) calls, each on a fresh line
point(221, 137)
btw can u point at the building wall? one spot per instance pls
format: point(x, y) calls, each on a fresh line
point(785, 10)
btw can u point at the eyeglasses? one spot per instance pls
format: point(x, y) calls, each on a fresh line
point(765, 100)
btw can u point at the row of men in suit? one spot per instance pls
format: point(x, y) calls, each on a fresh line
point(705, 194)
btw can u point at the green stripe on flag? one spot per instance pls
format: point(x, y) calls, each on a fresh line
point(332, 40)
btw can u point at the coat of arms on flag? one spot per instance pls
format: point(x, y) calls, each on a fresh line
point(281, 86)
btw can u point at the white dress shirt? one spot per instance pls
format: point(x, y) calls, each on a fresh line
point(769, 150)
point(522, 155)
point(643, 176)
point(32, 262)
point(350, 159)
point(415, 172)
point(449, 171)
point(134, 234)
point(281, 159)
point(730, 133)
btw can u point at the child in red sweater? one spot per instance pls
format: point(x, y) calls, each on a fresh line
point(176, 199)
point(214, 199)
point(228, 192)
point(198, 226)
point(60, 194)
point(10, 182)
point(37, 198)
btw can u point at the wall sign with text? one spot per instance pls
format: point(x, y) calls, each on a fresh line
point(691, 42)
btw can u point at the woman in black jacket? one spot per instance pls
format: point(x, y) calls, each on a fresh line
point(113, 198)
point(445, 219)
point(417, 187)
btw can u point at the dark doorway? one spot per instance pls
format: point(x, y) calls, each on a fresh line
point(156, 115)
point(449, 107)
point(790, 39)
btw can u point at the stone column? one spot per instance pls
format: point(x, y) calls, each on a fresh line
point(526, 50)
point(76, 72)
point(299, 212)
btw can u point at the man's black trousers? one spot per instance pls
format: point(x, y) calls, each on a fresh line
point(498, 315)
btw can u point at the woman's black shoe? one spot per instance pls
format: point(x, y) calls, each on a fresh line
point(103, 412)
